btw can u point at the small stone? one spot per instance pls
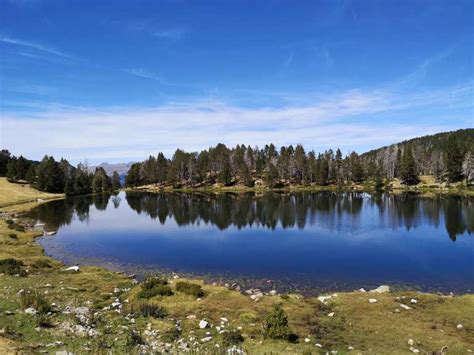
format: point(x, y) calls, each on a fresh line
point(206, 339)
point(413, 301)
point(203, 324)
point(350, 348)
point(362, 290)
point(31, 310)
point(372, 300)
point(381, 289)
point(413, 350)
point(397, 310)
point(331, 314)
point(404, 306)
point(459, 327)
point(273, 293)
point(411, 342)
point(224, 319)
point(323, 299)
point(72, 268)
point(191, 317)
point(318, 345)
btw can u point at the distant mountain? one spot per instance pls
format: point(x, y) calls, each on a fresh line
point(120, 168)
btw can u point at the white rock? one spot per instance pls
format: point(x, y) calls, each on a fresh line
point(350, 348)
point(323, 299)
point(31, 310)
point(224, 319)
point(82, 310)
point(413, 350)
point(307, 340)
point(372, 300)
point(203, 324)
point(206, 339)
point(273, 293)
point(191, 317)
point(72, 268)
point(362, 290)
point(381, 289)
point(331, 314)
point(411, 342)
point(413, 301)
point(318, 345)
point(459, 326)
point(404, 306)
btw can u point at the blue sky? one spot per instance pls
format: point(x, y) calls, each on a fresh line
point(119, 80)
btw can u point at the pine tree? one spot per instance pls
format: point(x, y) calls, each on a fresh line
point(116, 184)
point(453, 160)
point(133, 178)
point(408, 170)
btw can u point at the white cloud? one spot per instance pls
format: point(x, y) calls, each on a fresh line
point(36, 46)
point(124, 133)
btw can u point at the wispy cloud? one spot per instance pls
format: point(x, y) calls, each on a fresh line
point(173, 34)
point(350, 120)
point(35, 46)
point(143, 73)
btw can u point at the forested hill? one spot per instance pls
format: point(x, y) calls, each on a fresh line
point(429, 152)
point(448, 156)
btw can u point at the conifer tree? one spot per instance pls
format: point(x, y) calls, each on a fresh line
point(408, 170)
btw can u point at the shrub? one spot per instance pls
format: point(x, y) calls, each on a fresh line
point(12, 236)
point(20, 228)
point(134, 338)
point(34, 299)
point(155, 286)
point(232, 337)
point(147, 309)
point(41, 264)
point(171, 335)
point(43, 321)
point(189, 289)
point(276, 324)
point(12, 266)
point(9, 221)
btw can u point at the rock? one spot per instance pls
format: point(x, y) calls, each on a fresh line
point(31, 311)
point(318, 345)
point(413, 350)
point(224, 319)
point(82, 310)
point(413, 301)
point(72, 268)
point(362, 290)
point(372, 300)
point(411, 342)
point(191, 317)
point(459, 327)
point(63, 352)
point(381, 289)
point(397, 310)
point(206, 339)
point(323, 299)
point(331, 314)
point(116, 304)
point(404, 306)
point(203, 324)
point(350, 348)
point(273, 293)
point(307, 340)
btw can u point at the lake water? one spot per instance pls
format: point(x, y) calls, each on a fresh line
point(304, 241)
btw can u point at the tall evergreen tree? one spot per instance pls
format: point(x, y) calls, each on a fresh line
point(408, 170)
point(116, 184)
point(453, 160)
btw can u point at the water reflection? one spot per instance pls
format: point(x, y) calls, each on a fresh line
point(332, 211)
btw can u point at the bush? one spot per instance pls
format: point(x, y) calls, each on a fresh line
point(9, 221)
point(43, 321)
point(147, 309)
point(34, 299)
point(155, 286)
point(232, 337)
point(17, 227)
point(12, 236)
point(190, 289)
point(134, 338)
point(41, 264)
point(276, 324)
point(12, 266)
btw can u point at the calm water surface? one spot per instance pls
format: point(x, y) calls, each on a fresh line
point(306, 240)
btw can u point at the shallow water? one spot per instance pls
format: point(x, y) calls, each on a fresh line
point(319, 241)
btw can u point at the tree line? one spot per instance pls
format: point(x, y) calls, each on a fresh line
point(54, 176)
point(451, 160)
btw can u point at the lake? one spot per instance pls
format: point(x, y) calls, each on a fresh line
point(293, 241)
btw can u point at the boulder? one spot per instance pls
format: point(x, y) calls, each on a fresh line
point(372, 300)
point(381, 289)
point(72, 268)
point(203, 324)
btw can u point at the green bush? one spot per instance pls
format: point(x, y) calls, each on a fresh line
point(12, 236)
point(9, 221)
point(189, 289)
point(41, 264)
point(232, 337)
point(34, 299)
point(12, 266)
point(155, 286)
point(134, 338)
point(43, 321)
point(276, 324)
point(147, 309)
